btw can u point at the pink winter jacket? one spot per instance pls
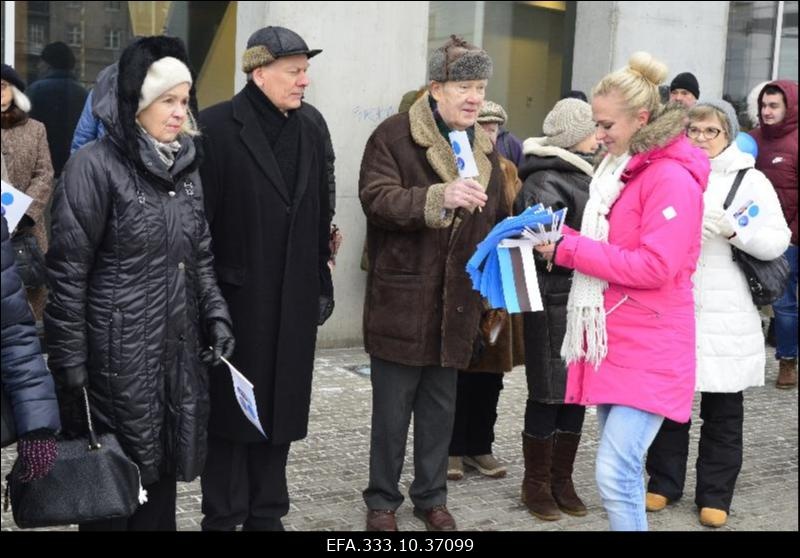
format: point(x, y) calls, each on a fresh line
point(652, 251)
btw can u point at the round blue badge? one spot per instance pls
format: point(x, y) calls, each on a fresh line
point(461, 163)
point(743, 220)
point(753, 211)
point(8, 198)
point(456, 148)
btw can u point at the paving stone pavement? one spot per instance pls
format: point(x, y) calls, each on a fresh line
point(328, 470)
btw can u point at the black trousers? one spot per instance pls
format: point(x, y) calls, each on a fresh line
point(157, 514)
point(477, 394)
point(398, 391)
point(244, 484)
point(542, 420)
point(719, 458)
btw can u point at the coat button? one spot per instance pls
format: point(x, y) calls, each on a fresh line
point(171, 194)
point(181, 266)
point(288, 210)
point(460, 309)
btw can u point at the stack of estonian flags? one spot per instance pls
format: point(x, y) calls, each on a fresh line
point(502, 268)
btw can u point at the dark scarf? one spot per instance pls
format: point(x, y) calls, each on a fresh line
point(444, 129)
point(282, 133)
point(14, 116)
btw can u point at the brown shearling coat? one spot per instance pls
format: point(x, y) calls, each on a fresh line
point(420, 308)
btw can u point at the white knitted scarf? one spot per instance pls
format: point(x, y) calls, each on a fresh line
point(586, 336)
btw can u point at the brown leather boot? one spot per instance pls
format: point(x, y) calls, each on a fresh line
point(787, 373)
point(564, 449)
point(536, 493)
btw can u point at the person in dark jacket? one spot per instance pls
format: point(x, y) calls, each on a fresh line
point(135, 313)
point(90, 127)
point(57, 100)
point(267, 201)
point(776, 137)
point(479, 386)
point(508, 145)
point(421, 314)
point(556, 173)
point(29, 398)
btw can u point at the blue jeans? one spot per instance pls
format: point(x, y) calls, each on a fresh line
point(625, 435)
point(785, 309)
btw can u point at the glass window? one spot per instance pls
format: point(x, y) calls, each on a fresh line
point(113, 38)
point(787, 59)
point(82, 38)
point(74, 35)
point(36, 35)
point(750, 52)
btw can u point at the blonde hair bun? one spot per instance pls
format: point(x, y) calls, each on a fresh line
point(648, 67)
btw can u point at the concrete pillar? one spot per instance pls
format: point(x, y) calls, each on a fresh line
point(687, 36)
point(373, 52)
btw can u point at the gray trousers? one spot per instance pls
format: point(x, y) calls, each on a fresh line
point(397, 391)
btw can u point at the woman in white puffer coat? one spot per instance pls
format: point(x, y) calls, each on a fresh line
point(730, 343)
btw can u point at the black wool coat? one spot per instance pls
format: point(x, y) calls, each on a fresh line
point(557, 179)
point(271, 251)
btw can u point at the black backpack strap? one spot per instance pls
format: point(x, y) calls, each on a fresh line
point(735, 187)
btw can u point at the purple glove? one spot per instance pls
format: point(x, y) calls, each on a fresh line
point(37, 451)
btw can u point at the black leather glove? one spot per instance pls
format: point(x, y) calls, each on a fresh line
point(326, 305)
point(222, 343)
point(75, 377)
point(37, 452)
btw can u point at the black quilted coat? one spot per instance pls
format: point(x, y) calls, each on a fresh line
point(133, 286)
point(553, 179)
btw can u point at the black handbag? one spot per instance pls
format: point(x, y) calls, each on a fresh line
point(29, 259)
point(92, 480)
point(766, 278)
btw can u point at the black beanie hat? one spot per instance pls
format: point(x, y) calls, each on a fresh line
point(11, 76)
point(686, 81)
point(59, 56)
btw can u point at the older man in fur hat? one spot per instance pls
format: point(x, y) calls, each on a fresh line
point(267, 203)
point(421, 315)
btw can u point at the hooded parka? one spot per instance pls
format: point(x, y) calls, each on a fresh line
point(777, 152)
point(133, 286)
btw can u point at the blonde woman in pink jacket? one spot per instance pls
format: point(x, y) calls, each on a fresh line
point(630, 342)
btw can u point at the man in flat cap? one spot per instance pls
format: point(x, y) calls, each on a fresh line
point(421, 315)
point(266, 200)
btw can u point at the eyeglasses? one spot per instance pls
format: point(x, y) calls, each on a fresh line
point(708, 134)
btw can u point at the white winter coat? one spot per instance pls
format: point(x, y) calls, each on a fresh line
point(730, 343)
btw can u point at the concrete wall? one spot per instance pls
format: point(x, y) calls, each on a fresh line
point(688, 37)
point(373, 52)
